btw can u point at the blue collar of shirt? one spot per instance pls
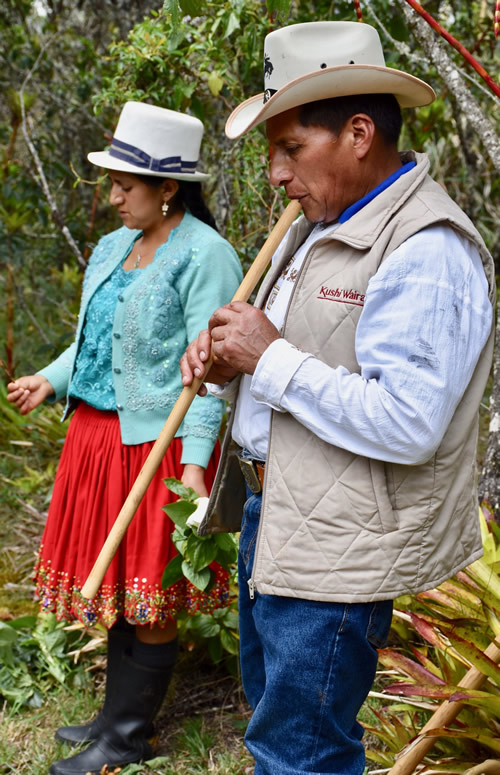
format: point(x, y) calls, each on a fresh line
point(352, 209)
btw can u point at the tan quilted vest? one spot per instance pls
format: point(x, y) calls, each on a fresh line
point(337, 526)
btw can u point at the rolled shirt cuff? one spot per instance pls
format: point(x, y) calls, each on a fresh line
point(275, 369)
point(228, 391)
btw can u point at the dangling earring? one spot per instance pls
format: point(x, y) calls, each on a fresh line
point(164, 209)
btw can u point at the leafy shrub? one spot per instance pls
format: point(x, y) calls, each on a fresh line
point(35, 654)
point(440, 635)
point(196, 554)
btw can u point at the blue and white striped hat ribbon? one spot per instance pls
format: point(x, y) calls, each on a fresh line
point(144, 161)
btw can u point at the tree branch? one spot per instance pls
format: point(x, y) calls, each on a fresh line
point(404, 49)
point(42, 180)
point(453, 79)
point(465, 53)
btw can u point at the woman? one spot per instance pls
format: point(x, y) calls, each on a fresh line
point(149, 288)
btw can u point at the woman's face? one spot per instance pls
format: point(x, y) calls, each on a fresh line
point(138, 203)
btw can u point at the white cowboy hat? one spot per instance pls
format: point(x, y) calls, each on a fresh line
point(154, 141)
point(315, 61)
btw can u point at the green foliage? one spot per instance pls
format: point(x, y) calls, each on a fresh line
point(205, 64)
point(440, 634)
point(33, 656)
point(52, 68)
point(41, 429)
point(199, 56)
point(196, 553)
point(198, 749)
point(28, 449)
point(204, 58)
point(218, 631)
point(195, 746)
point(156, 765)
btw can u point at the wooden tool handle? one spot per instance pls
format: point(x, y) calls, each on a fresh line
point(444, 715)
point(178, 413)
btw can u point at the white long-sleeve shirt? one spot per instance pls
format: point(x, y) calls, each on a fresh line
point(425, 320)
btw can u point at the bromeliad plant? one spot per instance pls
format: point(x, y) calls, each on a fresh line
point(196, 555)
point(440, 634)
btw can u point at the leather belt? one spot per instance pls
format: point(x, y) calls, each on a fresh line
point(253, 472)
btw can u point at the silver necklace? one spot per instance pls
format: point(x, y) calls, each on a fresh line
point(138, 259)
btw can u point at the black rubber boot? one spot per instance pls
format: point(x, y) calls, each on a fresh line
point(123, 740)
point(120, 639)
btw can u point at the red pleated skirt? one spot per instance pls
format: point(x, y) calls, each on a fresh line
point(95, 475)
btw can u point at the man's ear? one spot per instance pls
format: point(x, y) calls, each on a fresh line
point(363, 134)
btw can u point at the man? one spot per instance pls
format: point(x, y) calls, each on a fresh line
point(363, 363)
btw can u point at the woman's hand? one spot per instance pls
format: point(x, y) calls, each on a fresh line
point(26, 393)
point(194, 476)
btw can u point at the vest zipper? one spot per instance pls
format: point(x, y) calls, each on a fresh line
point(251, 583)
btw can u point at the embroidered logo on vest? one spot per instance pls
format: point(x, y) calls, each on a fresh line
point(344, 295)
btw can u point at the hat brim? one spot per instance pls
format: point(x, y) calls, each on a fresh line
point(340, 81)
point(104, 159)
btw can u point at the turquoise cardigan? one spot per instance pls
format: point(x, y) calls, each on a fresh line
point(192, 274)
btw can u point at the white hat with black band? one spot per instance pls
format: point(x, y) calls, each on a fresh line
point(318, 60)
point(155, 141)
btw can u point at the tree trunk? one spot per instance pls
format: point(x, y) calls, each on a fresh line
point(489, 485)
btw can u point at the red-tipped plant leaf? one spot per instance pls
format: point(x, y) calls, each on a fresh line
point(452, 607)
point(485, 576)
point(490, 702)
point(475, 656)
point(479, 735)
point(477, 637)
point(425, 661)
point(397, 661)
point(459, 590)
point(422, 690)
point(453, 767)
point(428, 631)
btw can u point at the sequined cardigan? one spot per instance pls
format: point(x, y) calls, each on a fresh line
point(192, 274)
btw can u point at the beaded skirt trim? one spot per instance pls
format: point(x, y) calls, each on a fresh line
point(139, 601)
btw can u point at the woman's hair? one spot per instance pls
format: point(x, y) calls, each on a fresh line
point(333, 113)
point(188, 196)
point(191, 197)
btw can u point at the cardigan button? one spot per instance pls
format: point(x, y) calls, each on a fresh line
point(117, 336)
point(120, 297)
point(117, 371)
point(119, 407)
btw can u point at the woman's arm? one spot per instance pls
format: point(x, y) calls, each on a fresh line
point(208, 282)
point(194, 476)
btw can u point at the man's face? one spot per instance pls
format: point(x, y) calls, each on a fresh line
point(313, 165)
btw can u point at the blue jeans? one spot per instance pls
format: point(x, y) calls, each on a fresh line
point(307, 667)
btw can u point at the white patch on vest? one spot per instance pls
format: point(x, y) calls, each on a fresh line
point(495, 423)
